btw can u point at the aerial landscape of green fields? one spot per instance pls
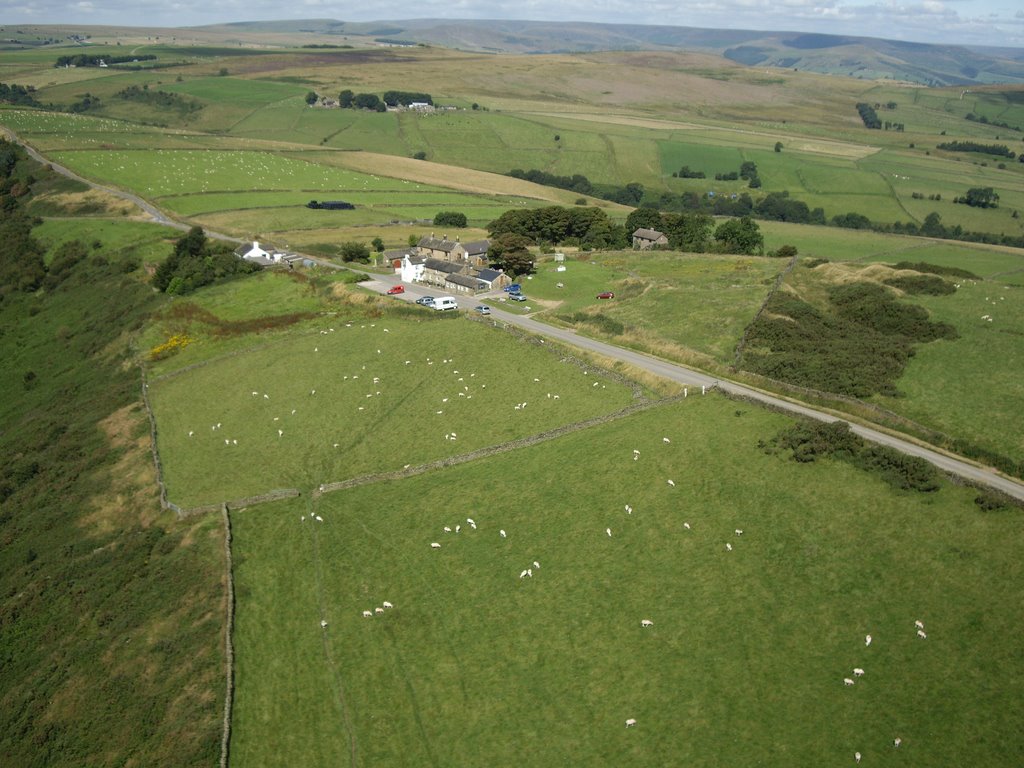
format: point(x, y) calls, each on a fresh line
point(748, 494)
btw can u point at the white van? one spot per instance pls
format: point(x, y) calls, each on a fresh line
point(445, 302)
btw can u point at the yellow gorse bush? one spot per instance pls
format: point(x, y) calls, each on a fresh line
point(172, 346)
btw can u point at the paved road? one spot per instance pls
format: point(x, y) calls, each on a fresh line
point(689, 377)
point(672, 371)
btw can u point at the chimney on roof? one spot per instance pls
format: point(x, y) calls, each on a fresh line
point(256, 245)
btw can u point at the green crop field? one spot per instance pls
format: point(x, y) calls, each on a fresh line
point(748, 649)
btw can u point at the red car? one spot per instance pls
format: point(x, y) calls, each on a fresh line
point(606, 295)
point(396, 289)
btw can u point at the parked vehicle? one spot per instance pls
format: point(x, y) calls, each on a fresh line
point(395, 290)
point(445, 302)
point(425, 301)
point(514, 288)
point(483, 309)
point(517, 297)
point(606, 295)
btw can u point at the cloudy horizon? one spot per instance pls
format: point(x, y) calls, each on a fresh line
point(966, 22)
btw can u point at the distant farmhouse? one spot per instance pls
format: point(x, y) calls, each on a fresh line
point(645, 239)
point(258, 255)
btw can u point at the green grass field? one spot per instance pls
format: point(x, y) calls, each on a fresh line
point(331, 405)
point(748, 650)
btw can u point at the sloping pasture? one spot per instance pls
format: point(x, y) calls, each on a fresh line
point(748, 650)
point(368, 396)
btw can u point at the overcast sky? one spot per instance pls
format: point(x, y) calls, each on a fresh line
point(981, 22)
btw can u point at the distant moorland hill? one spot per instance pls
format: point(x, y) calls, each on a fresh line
point(865, 57)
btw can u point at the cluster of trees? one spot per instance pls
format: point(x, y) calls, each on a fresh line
point(985, 121)
point(630, 194)
point(87, 60)
point(696, 232)
point(349, 100)
point(590, 227)
point(162, 99)
point(405, 98)
point(196, 262)
point(999, 150)
point(868, 115)
point(84, 104)
point(19, 95)
point(450, 219)
point(979, 197)
point(575, 183)
point(686, 173)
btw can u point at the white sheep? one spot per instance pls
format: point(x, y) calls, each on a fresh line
point(856, 756)
point(386, 604)
point(672, 483)
point(847, 681)
point(739, 532)
point(665, 440)
point(319, 519)
point(921, 634)
point(447, 529)
point(609, 532)
point(536, 565)
point(686, 526)
point(434, 545)
point(378, 609)
point(630, 723)
point(646, 623)
point(728, 547)
point(919, 624)
point(857, 671)
point(867, 639)
point(367, 615)
point(897, 741)
point(502, 532)
point(523, 574)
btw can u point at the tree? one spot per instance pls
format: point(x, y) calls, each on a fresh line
point(509, 251)
point(643, 218)
point(688, 231)
point(778, 146)
point(740, 236)
point(378, 245)
point(421, 155)
point(353, 251)
point(312, 98)
point(450, 219)
point(345, 99)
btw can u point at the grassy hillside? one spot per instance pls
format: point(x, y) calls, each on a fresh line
point(112, 614)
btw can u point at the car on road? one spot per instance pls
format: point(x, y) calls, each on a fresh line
point(394, 290)
point(606, 295)
point(482, 309)
point(517, 297)
point(426, 301)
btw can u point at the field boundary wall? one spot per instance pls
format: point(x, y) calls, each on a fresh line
point(779, 279)
point(229, 646)
point(492, 450)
